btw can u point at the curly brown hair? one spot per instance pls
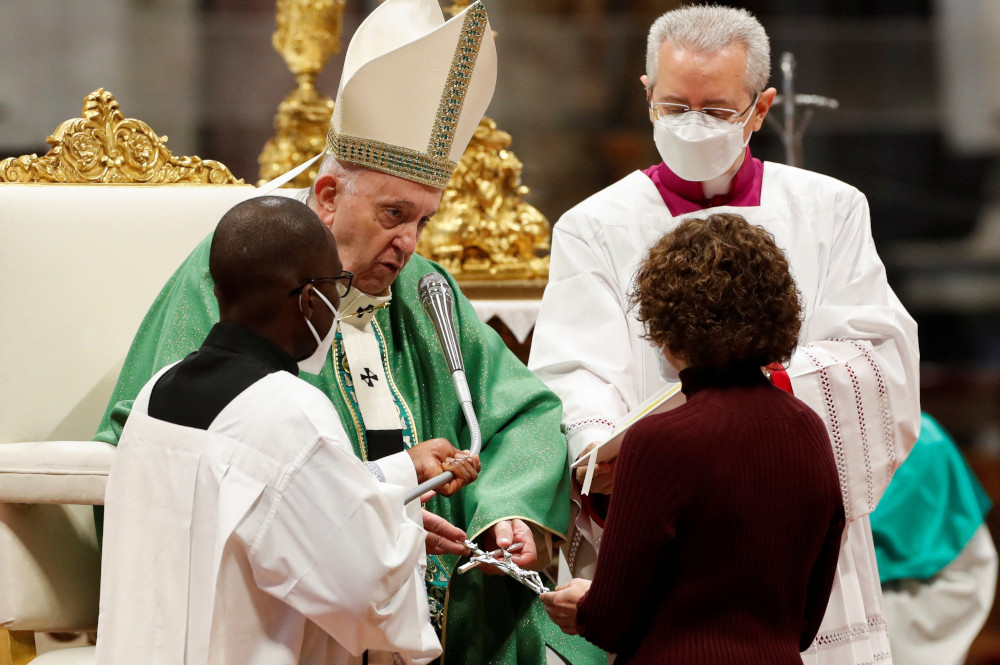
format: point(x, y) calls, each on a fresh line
point(716, 292)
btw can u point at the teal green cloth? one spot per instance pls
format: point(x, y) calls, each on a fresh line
point(930, 510)
point(525, 474)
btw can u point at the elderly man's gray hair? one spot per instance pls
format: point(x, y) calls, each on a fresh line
point(709, 29)
point(346, 172)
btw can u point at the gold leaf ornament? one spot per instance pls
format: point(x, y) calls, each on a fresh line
point(106, 147)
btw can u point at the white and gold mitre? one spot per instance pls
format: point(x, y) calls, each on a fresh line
point(413, 90)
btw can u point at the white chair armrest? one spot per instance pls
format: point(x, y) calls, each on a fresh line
point(49, 568)
point(73, 472)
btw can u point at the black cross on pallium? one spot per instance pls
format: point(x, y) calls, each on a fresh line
point(369, 377)
point(365, 310)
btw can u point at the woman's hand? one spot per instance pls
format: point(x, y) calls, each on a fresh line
point(561, 604)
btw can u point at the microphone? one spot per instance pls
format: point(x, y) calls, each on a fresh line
point(435, 296)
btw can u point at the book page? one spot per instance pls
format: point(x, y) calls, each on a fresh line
point(664, 400)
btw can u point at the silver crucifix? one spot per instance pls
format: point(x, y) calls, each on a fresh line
point(528, 578)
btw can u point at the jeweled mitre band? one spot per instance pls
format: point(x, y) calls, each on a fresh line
point(431, 167)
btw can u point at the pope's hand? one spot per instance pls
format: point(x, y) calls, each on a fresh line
point(435, 456)
point(504, 534)
point(604, 473)
point(561, 604)
point(442, 536)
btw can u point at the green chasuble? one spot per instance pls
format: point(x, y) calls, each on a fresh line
point(930, 510)
point(487, 619)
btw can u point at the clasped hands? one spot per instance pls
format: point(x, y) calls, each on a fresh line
point(446, 538)
point(435, 456)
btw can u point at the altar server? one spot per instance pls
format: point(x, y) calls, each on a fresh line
point(856, 364)
point(240, 526)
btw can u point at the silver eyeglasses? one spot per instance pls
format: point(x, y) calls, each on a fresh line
point(670, 109)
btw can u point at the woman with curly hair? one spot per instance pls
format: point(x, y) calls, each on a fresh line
point(723, 533)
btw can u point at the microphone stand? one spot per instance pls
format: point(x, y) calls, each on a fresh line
point(435, 296)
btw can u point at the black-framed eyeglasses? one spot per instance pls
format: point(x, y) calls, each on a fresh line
point(669, 109)
point(343, 281)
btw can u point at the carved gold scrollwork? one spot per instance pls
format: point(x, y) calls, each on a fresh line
point(307, 34)
point(483, 230)
point(106, 147)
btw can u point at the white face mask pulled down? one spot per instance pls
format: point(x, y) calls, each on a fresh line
point(698, 147)
point(314, 363)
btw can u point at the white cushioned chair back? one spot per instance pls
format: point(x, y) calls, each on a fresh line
point(79, 267)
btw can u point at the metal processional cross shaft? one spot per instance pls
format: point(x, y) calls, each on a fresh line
point(792, 127)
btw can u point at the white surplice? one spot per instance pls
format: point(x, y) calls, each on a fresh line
point(261, 540)
point(857, 364)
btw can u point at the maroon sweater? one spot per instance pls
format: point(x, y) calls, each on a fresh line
point(723, 532)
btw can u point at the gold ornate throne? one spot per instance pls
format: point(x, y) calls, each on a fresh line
point(90, 232)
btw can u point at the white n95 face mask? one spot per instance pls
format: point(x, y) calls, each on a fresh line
point(698, 147)
point(314, 363)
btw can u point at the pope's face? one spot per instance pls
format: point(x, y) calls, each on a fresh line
point(702, 80)
point(377, 224)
